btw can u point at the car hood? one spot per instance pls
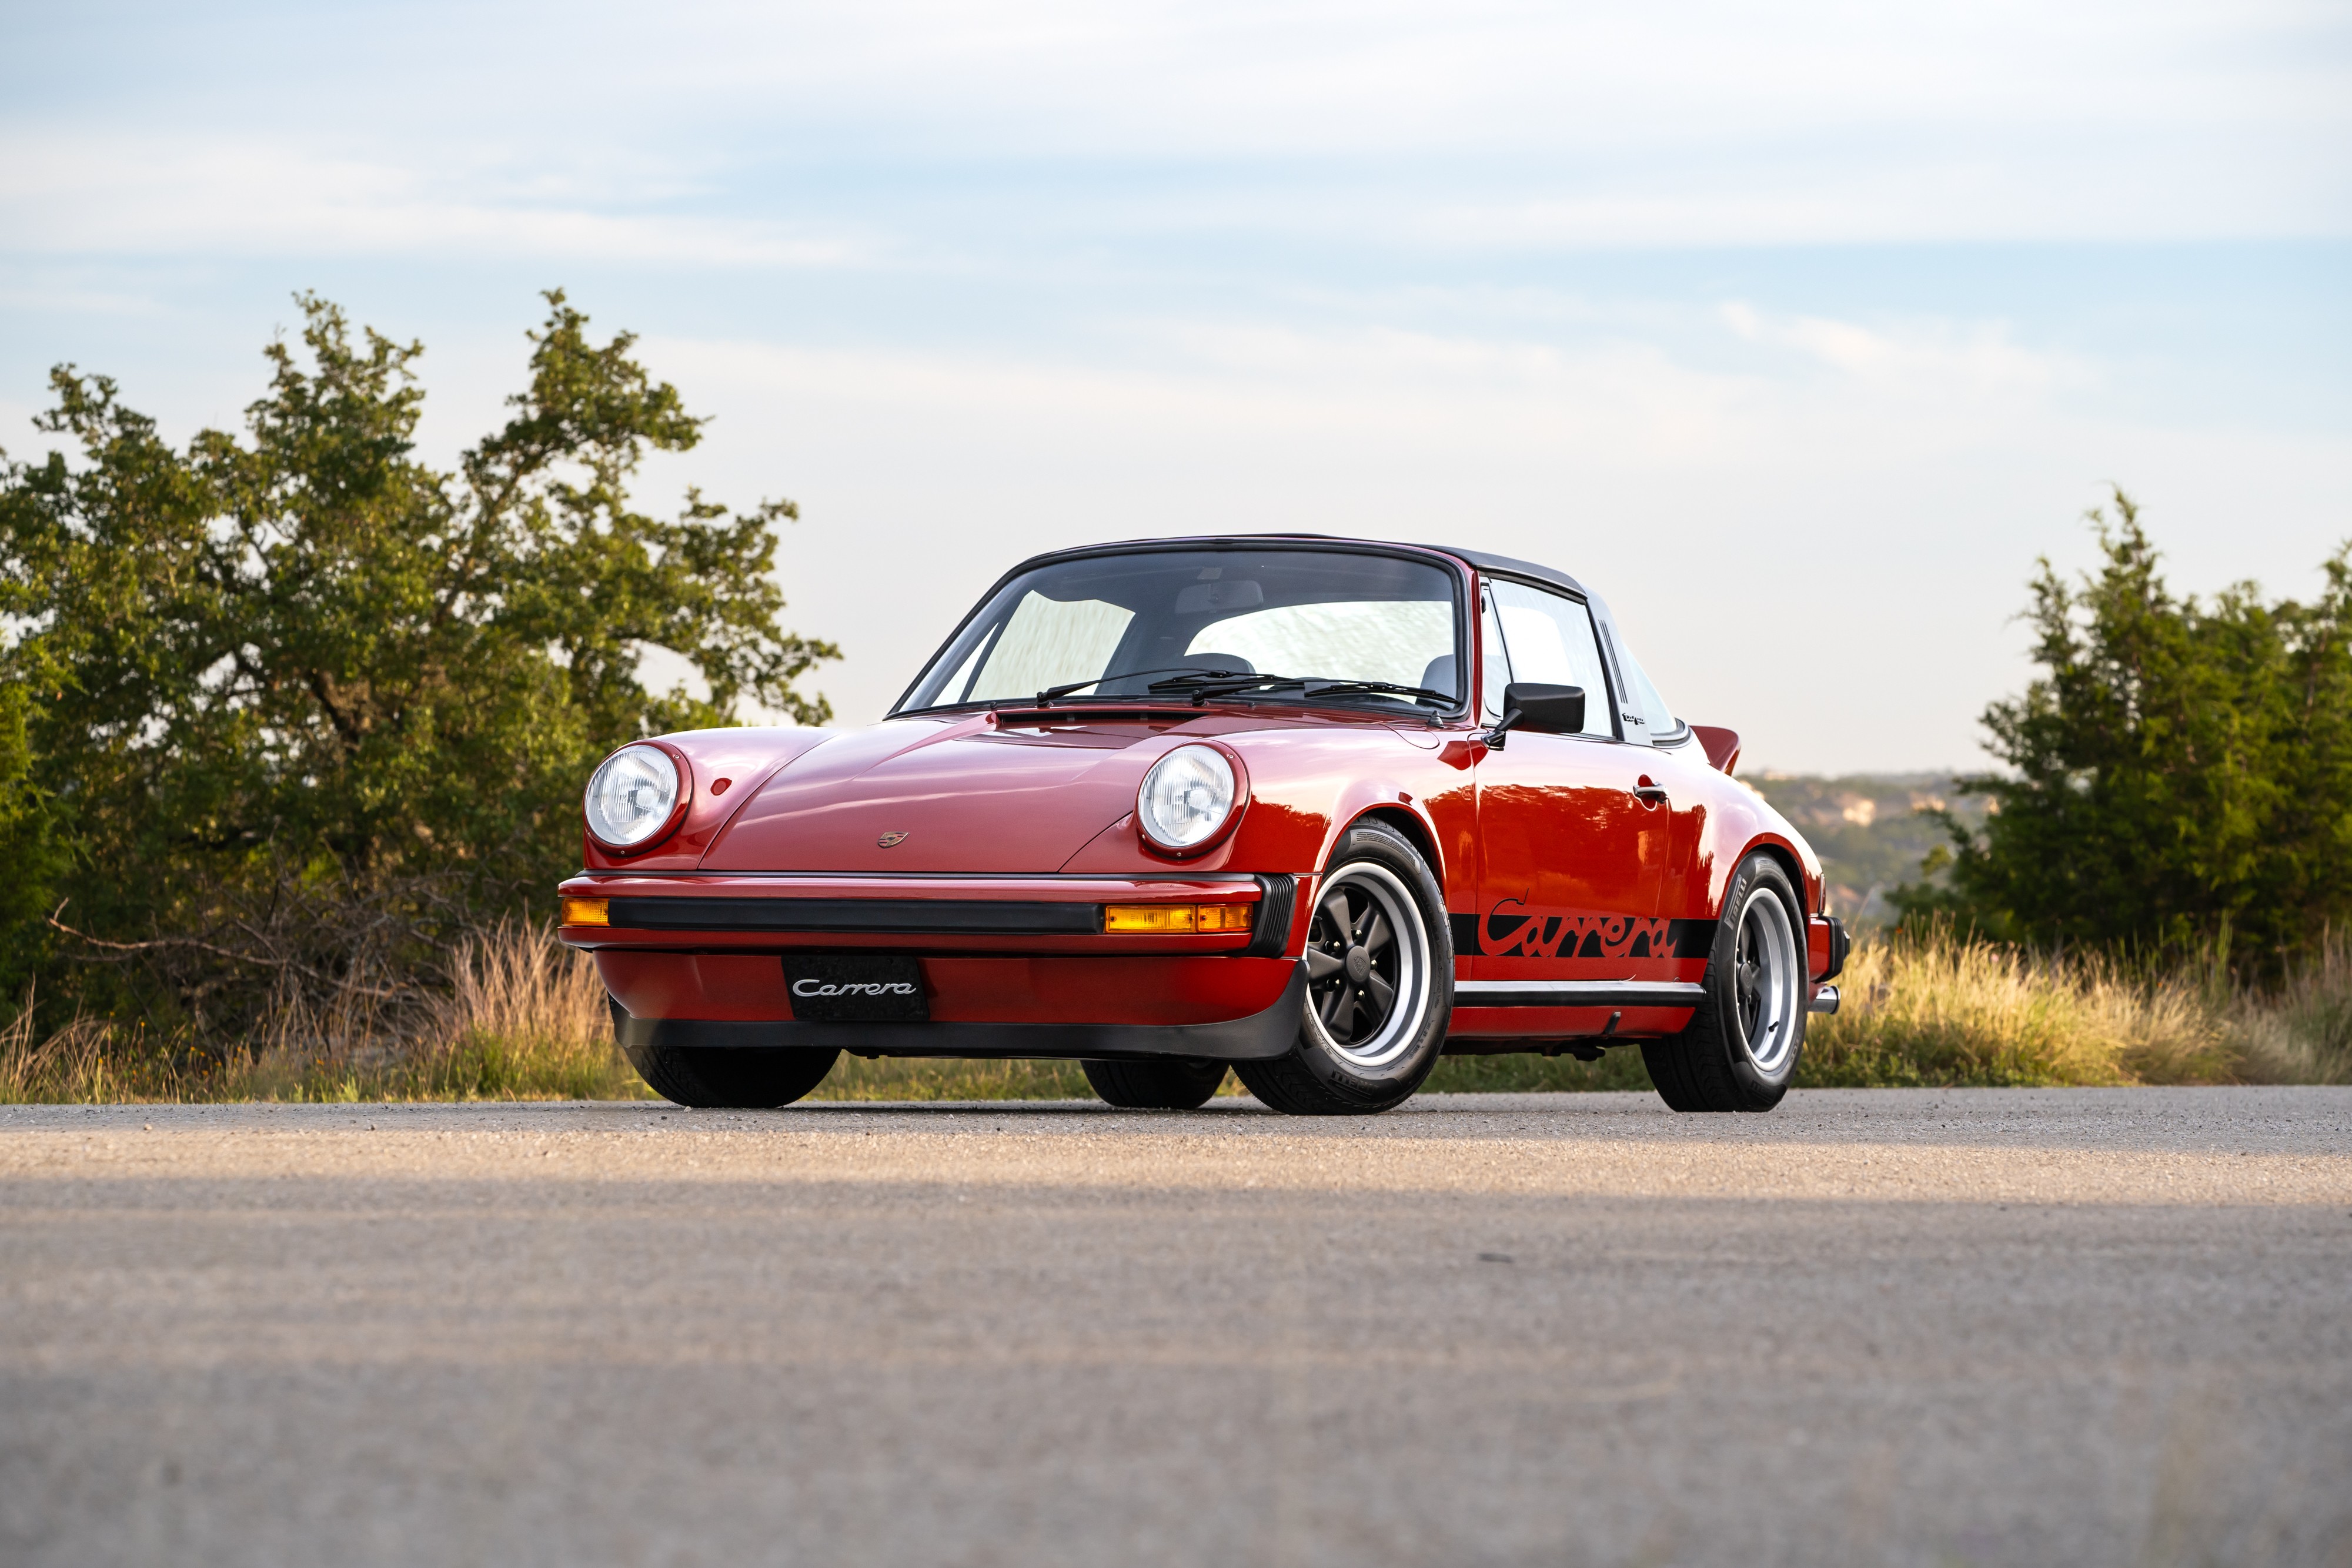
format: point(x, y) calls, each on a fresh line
point(944, 795)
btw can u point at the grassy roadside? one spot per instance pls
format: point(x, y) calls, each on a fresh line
point(526, 1021)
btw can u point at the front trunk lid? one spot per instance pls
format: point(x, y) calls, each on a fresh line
point(946, 796)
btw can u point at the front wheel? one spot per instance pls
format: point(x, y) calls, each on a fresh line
point(1380, 984)
point(731, 1077)
point(1742, 1047)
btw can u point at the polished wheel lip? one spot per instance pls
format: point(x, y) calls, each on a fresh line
point(1765, 1001)
point(1386, 901)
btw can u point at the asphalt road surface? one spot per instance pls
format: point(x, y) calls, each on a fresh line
point(2078, 1327)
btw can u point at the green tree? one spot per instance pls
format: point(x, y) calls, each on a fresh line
point(293, 706)
point(2179, 769)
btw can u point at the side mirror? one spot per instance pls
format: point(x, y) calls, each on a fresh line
point(1546, 710)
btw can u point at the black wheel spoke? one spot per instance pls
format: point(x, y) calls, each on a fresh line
point(1380, 933)
point(1383, 995)
point(1321, 965)
point(1334, 908)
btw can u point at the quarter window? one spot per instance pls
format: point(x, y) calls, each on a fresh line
point(1647, 717)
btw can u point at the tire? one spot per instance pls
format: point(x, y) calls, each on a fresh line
point(1379, 986)
point(1172, 1085)
point(731, 1077)
point(1745, 1039)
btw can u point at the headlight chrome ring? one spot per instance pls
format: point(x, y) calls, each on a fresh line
point(1190, 798)
point(637, 797)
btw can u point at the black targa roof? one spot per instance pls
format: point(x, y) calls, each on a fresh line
point(1484, 560)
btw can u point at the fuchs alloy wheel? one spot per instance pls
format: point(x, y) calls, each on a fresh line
point(1745, 1038)
point(1380, 984)
point(730, 1077)
point(1177, 1085)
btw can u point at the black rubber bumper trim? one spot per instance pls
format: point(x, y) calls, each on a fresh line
point(1259, 1037)
point(1279, 898)
point(1841, 944)
point(968, 916)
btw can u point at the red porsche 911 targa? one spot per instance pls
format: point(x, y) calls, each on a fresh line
point(1317, 811)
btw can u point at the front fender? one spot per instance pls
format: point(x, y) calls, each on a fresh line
point(1307, 788)
point(745, 758)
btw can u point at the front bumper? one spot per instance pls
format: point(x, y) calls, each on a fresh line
point(1010, 967)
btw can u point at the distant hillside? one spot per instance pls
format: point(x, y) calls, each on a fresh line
point(1867, 829)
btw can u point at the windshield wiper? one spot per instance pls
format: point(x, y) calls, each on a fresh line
point(1382, 688)
point(1201, 671)
point(1201, 688)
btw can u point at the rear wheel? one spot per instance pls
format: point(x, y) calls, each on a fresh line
point(1172, 1085)
point(731, 1077)
point(1745, 1038)
point(1380, 984)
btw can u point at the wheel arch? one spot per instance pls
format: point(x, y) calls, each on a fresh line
point(1789, 862)
point(1415, 832)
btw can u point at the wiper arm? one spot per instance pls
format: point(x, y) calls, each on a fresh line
point(1203, 687)
point(1383, 688)
point(1203, 672)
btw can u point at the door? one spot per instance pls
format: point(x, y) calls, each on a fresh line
point(1571, 858)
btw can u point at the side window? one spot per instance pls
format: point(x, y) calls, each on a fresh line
point(1493, 660)
point(1549, 639)
point(1647, 717)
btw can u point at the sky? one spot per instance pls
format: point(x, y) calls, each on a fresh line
point(1800, 333)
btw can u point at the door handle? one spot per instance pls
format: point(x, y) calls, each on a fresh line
point(1650, 794)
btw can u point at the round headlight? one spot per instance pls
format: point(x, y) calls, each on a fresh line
point(1186, 797)
point(632, 796)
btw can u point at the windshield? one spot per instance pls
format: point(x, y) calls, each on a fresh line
point(1232, 622)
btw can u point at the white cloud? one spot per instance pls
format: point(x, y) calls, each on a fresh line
point(1462, 126)
point(1825, 560)
point(1941, 358)
point(1814, 518)
point(159, 194)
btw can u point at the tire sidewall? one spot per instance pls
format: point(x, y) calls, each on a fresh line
point(1756, 1085)
point(732, 1078)
point(1386, 1085)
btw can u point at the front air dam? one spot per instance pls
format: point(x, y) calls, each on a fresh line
point(1259, 1036)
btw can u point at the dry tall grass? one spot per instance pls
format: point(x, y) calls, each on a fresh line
point(1938, 1007)
point(525, 1017)
point(2302, 1033)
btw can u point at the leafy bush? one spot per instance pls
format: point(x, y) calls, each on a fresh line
point(2181, 771)
point(282, 716)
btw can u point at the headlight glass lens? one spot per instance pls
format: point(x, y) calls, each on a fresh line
point(1186, 797)
point(632, 795)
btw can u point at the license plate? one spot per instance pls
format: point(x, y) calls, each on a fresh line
point(856, 990)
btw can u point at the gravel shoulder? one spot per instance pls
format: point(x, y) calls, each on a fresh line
point(1900, 1326)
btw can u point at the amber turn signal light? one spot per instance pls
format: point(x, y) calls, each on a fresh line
point(1195, 917)
point(587, 912)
